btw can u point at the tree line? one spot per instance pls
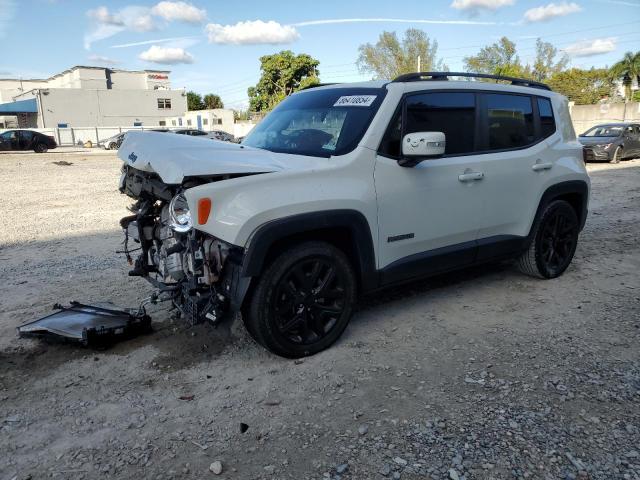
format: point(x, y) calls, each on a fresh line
point(284, 73)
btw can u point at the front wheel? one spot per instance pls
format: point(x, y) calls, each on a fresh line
point(303, 301)
point(554, 242)
point(40, 148)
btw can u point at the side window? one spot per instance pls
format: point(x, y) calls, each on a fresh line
point(547, 122)
point(453, 113)
point(392, 139)
point(510, 119)
point(27, 135)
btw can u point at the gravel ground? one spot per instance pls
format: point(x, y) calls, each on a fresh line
point(483, 374)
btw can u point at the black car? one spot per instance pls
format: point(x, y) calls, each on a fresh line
point(194, 132)
point(612, 142)
point(26, 140)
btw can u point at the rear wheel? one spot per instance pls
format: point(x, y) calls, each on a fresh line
point(554, 242)
point(303, 301)
point(40, 148)
point(617, 155)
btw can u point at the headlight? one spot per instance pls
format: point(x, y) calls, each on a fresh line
point(604, 145)
point(180, 214)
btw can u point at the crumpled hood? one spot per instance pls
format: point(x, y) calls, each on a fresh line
point(174, 157)
point(589, 141)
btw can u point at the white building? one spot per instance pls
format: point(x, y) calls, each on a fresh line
point(90, 97)
point(209, 120)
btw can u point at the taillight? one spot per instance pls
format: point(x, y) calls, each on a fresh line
point(204, 209)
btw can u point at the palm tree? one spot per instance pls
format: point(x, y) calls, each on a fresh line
point(627, 69)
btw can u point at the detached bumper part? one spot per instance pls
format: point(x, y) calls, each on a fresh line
point(89, 324)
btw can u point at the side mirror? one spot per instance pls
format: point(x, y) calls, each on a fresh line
point(420, 146)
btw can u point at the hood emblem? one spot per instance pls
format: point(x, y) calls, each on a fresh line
point(133, 157)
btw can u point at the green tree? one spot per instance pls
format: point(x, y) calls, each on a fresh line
point(627, 69)
point(499, 58)
point(194, 101)
point(283, 73)
point(212, 100)
point(545, 64)
point(584, 87)
point(389, 57)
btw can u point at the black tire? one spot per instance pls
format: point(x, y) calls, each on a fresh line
point(303, 301)
point(40, 148)
point(617, 155)
point(553, 243)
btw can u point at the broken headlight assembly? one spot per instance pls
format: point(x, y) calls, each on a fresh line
point(179, 214)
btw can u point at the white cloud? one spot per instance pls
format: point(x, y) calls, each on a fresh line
point(104, 17)
point(166, 55)
point(547, 12)
point(252, 33)
point(179, 11)
point(588, 48)
point(102, 59)
point(105, 24)
point(334, 21)
point(475, 5)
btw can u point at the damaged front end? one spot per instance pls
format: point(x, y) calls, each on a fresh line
point(200, 274)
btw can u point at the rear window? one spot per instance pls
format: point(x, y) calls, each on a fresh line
point(547, 122)
point(510, 119)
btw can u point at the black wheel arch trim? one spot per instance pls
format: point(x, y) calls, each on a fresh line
point(354, 221)
point(579, 187)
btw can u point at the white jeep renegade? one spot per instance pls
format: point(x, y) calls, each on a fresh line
point(345, 189)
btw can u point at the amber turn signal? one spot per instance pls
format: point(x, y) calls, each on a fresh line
point(204, 209)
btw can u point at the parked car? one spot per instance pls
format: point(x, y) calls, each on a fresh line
point(346, 189)
point(612, 142)
point(194, 132)
point(222, 136)
point(114, 142)
point(214, 135)
point(26, 140)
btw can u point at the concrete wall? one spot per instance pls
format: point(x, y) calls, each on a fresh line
point(586, 116)
point(98, 108)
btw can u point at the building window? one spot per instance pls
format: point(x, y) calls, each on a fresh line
point(164, 103)
point(189, 122)
point(162, 123)
point(137, 124)
point(173, 122)
point(217, 121)
point(180, 121)
point(205, 121)
point(63, 125)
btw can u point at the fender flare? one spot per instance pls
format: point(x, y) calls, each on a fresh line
point(579, 187)
point(267, 234)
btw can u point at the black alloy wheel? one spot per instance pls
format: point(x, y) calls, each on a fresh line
point(303, 301)
point(559, 238)
point(309, 300)
point(554, 242)
point(40, 148)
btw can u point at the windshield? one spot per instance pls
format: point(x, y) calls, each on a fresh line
point(319, 123)
point(604, 131)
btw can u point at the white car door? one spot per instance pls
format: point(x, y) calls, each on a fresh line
point(428, 215)
point(517, 164)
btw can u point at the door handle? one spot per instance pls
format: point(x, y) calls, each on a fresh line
point(537, 167)
point(471, 176)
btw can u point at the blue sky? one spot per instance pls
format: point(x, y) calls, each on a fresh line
point(214, 46)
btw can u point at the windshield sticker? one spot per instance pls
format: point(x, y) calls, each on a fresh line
point(355, 101)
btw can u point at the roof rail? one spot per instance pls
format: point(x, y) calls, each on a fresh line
point(434, 76)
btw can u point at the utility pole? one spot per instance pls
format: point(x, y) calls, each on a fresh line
point(419, 63)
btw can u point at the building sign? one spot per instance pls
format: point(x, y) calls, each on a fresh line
point(157, 76)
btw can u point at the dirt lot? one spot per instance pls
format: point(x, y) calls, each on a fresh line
point(484, 374)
